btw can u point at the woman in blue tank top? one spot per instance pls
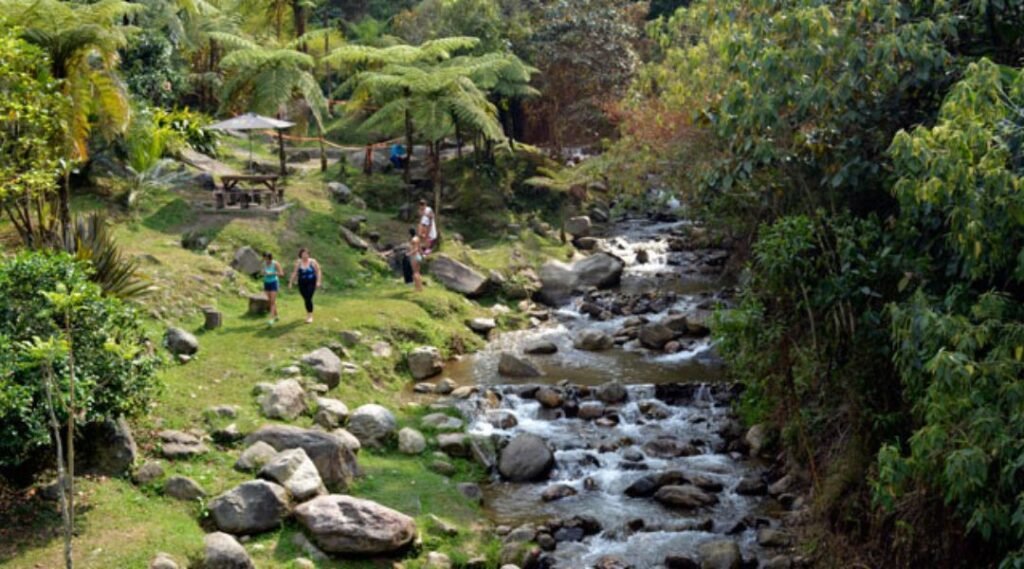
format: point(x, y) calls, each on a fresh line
point(271, 271)
point(307, 274)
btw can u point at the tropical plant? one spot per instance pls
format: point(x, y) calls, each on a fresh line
point(270, 80)
point(82, 42)
point(31, 109)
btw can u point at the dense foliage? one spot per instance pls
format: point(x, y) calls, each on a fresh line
point(114, 373)
point(879, 325)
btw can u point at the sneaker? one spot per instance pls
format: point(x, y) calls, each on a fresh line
point(271, 322)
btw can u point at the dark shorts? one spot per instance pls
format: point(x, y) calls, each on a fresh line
point(270, 287)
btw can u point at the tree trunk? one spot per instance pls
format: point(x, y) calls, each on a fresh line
point(458, 140)
point(65, 203)
point(299, 19)
point(327, 68)
point(62, 492)
point(408, 147)
point(368, 161)
point(435, 175)
point(323, 148)
point(280, 152)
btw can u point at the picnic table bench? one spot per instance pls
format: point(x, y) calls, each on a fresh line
point(248, 189)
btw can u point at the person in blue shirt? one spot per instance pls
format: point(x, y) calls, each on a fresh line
point(309, 278)
point(398, 156)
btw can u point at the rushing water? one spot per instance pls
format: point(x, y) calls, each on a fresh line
point(600, 460)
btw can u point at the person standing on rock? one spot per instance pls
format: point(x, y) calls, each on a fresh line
point(271, 283)
point(415, 256)
point(307, 274)
point(428, 227)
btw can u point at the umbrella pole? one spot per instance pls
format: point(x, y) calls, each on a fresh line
point(249, 165)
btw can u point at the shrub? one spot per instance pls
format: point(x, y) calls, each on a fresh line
point(114, 374)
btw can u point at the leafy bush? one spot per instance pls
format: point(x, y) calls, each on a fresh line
point(151, 69)
point(114, 373)
point(188, 126)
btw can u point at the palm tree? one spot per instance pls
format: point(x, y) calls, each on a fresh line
point(356, 58)
point(81, 41)
point(437, 98)
point(269, 80)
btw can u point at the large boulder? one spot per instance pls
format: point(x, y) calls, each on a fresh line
point(247, 261)
point(527, 458)
point(372, 424)
point(222, 551)
point(106, 448)
point(294, 470)
point(655, 335)
point(720, 554)
point(179, 342)
point(424, 362)
point(560, 280)
point(578, 226)
point(593, 340)
point(349, 525)
point(457, 276)
point(251, 507)
point(326, 364)
point(684, 496)
point(284, 400)
point(511, 365)
point(333, 458)
point(411, 441)
point(255, 456)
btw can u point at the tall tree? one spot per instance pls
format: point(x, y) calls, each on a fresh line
point(81, 41)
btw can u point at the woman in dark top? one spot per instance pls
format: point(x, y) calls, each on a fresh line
point(307, 273)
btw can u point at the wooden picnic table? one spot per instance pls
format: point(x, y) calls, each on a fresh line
point(249, 188)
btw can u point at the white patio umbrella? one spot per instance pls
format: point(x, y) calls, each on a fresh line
point(250, 122)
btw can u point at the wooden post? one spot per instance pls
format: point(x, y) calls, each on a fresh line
point(214, 318)
point(280, 152)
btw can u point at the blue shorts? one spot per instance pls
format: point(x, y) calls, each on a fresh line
point(270, 287)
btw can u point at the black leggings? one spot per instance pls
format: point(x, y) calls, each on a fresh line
point(306, 289)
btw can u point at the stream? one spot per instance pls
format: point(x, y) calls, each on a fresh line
point(675, 417)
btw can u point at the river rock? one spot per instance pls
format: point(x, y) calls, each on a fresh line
point(655, 336)
point(471, 491)
point(247, 261)
point(751, 486)
point(779, 562)
point(334, 460)
point(441, 422)
point(457, 276)
point(251, 507)
point(222, 551)
point(347, 440)
point(424, 362)
point(720, 554)
point(680, 562)
point(107, 448)
point(549, 397)
point(540, 347)
point(527, 458)
point(593, 340)
point(411, 441)
point(697, 323)
point(437, 560)
point(348, 525)
point(768, 537)
point(559, 280)
point(686, 496)
point(454, 444)
point(590, 410)
point(756, 439)
point(183, 488)
point(294, 470)
point(782, 485)
point(254, 457)
point(372, 424)
point(511, 365)
point(578, 226)
point(354, 241)
point(501, 419)
point(482, 325)
point(285, 400)
point(326, 364)
point(557, 492)
point(612, 392)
